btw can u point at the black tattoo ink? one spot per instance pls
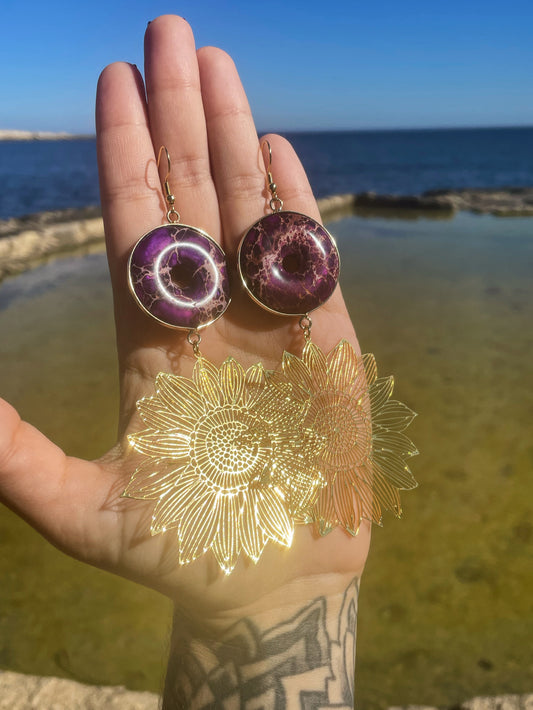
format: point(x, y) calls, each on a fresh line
point(295, 665)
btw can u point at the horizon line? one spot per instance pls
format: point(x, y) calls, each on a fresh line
point(51, 135)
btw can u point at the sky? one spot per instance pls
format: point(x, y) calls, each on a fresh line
point(305, 65)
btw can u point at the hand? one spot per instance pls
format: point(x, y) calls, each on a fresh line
point(195, 105)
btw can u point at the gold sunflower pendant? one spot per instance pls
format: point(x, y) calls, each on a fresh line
point(225, 462)
point(362, 452)
point(235, 458)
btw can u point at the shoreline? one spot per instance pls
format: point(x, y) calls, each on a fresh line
point(7, 134)
point(30, 240)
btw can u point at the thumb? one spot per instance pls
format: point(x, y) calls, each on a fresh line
point(66, 499)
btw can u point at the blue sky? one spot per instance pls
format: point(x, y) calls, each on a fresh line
point(305, 65)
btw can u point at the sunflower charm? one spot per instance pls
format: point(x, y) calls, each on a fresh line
point(235, 458)
point(363, 452)
point(226, 462)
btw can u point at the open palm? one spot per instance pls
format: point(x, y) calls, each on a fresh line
point(194, 104)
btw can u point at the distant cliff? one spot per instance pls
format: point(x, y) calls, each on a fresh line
point(15, 135)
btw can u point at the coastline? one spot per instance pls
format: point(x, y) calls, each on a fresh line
point(17, 135)
point(26, 242)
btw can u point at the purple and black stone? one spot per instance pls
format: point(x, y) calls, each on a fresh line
point(289, 263)
point(178, 275)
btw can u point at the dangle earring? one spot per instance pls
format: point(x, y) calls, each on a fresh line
point(223, 456)
point(352, 429)
point(177, 273)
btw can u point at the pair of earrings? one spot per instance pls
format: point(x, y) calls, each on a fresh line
point(236, 458)
point(288, 263)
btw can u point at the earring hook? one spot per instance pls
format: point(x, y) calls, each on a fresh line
point(266, 143)
point(172, 215)
point(164, 148)
point(276, 203)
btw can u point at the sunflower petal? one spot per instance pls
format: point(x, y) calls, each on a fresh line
point(227, 544)
point(156, 416)
point(395, 470)
point(173, 506)
point(394, 441)
point(348, 507)
point(171, 444)
point(273, 518)
point(231, 380)
point(315, 361)
point(296, 371)
point(179, 395)
point(324, 513)
point(252, 537)
point(380, 392)
point(371, 369)
point(205, 376)
point(154, 477)
point(255, 382)
point(198, 526)
point(343, 365)
point(371, 508)
point(394, 415)
point(385, 493)
point(298, 478)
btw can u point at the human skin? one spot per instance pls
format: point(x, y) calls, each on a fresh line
point(194, 104)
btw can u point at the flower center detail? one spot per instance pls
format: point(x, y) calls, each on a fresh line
point(340, 422)
point(230, 448)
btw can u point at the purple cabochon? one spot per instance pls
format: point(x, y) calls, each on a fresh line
point(289, 263)
point(179, 276)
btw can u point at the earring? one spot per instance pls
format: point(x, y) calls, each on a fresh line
point(223, 457)
point(177, 273)
point(289, 265)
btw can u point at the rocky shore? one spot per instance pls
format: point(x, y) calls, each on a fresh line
point(502, 202)
point(28, 241)
point(16, 135)
point(26, 692)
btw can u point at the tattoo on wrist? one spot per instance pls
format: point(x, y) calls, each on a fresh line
point(295, 665)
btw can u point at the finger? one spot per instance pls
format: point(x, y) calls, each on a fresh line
point(177, 119)
point(132, 200)
point(331, 320)
point(233, 146)
point(129, 184)
point(290, 177)
point(58, 495)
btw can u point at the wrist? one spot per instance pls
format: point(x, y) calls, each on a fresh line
point(298, 639)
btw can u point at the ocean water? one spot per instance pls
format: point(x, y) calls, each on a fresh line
point(446, 306)
point(48, 175)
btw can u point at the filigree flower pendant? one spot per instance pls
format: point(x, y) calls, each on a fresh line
point(235, 458)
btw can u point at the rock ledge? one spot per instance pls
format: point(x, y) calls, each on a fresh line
point(28, 692)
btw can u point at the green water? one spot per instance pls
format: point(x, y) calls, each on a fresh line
point(445, 606)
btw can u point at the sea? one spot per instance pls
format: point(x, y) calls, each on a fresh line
point(39, 176)
point(444, 301)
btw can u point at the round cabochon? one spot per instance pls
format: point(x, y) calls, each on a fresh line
point(289, 263)
point(178, 275)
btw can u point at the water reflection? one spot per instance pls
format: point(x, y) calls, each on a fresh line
point(447, 307)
